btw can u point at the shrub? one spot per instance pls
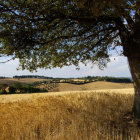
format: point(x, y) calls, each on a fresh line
point(3, 91)
point(17, 86)
point(12, 89)
point(30, 89)
point(3, 86)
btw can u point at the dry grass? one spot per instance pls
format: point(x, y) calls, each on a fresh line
point(82, 116)
point(92, 86)
point(10, 81)
point(76, 80)
point(33, 96)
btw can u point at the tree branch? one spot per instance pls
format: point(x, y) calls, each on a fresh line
point(7, 60)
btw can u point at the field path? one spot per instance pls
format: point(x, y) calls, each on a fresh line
point(32, 96)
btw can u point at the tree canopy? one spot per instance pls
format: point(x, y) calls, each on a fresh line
point(56, 33)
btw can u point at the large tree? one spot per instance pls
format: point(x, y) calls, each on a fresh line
point(56, 33)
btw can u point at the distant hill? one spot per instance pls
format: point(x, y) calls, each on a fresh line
point(98, 85)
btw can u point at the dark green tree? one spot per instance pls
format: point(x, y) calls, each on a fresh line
point(3, 86)
point(17, 86)
point(56, 33)
point(12, 89)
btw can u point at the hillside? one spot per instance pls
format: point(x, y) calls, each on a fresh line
point(97, 111)
point(92, 86)
point(10, 81)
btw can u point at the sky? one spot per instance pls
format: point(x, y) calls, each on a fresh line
point(118, 67)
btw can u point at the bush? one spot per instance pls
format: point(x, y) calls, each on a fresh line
point(3, 91)
point(12, 89)
point(3, 86)
point(28, 88)
point(17, 86)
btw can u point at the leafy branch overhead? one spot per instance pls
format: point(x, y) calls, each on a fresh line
point(51, 33)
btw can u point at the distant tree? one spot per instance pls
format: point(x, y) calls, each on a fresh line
point(56, 33)
point(3, 91)
point(3, 86)
point(17, 86)
point(12, 89)
point(1, 77)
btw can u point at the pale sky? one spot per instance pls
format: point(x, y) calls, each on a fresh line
point(117, 68)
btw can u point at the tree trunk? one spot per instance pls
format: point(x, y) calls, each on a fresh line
point(134, 63)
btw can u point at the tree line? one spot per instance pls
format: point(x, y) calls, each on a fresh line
point(32, 76)
point(20, 88)
point(110, 79)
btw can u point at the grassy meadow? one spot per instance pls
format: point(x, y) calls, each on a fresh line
point(74, 112)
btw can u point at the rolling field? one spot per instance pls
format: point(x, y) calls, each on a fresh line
point(10, 81)
point(81, 115)
point(66, 89)
point(99, 114)
point(92, 86)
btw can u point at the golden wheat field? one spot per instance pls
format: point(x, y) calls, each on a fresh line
point(79, 115)
point(33, 96)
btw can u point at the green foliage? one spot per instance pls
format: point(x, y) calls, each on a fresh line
point(109, 79)
point(56, 33)
point(17, 86)
point(3, 91)
point(3, 86)
point(36, 83)
point(114, 79)
point(31, 76)
point(12, 89)
point(28, 88)
point(108, 7)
